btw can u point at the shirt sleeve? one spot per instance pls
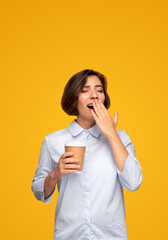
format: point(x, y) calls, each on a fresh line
point(45, 166)
point(131, 177)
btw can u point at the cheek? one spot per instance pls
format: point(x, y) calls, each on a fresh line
point(82, 99)
point(80, 103)
point(103, 98)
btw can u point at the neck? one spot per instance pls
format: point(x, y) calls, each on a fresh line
point(84, 123)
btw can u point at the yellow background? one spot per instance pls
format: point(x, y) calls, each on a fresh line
point(42, 44)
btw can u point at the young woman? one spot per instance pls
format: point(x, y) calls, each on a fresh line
point(90, 205)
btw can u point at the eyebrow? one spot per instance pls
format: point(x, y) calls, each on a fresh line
point(95, 86)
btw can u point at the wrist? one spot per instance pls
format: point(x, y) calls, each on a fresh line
point(112, 135)
point(54, 175)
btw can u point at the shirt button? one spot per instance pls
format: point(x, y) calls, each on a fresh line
point(85, 135)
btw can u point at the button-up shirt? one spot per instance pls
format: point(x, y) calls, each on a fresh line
point(90, 205)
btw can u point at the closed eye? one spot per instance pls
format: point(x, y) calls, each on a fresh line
point(96, 90)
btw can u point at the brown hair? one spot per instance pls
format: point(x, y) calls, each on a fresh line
point(74, 86)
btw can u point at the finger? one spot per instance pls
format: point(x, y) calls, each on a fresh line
point(70, 160)
point(115, 118)
point(66, 154)
point(71, 166)
point(94, 115)
point(70, 171)
point(103, 108)
point(97, 109)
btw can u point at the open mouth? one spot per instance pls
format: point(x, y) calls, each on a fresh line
point(90, 106)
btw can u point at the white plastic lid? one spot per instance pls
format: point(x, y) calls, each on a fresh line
point(75, 144)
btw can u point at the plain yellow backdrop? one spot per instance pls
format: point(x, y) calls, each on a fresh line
point(42, 44)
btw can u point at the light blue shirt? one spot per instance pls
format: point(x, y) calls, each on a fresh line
point(90, 205)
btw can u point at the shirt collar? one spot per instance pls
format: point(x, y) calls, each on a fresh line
point(75, 129)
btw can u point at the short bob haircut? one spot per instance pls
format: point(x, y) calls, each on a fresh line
point(75, 85)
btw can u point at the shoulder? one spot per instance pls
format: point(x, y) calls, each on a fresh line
point(57, 135)
point(55, 141)
point(56, 138)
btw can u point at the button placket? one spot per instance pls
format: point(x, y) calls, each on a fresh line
point(85, 139)
point(87, 189)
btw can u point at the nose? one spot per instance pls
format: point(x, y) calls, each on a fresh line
point(93, 94)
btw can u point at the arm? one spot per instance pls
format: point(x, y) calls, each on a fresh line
point(46, 176)
point(119, 151)
point(66, 165)
point(45, 167)
point(128, 167)
point(50, 183)
point(108, 127)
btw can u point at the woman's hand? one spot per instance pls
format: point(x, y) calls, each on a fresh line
point(66, 164)
point(106, 124)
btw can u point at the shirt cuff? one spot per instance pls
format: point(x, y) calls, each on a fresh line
point(131, 177)
point(39, 191)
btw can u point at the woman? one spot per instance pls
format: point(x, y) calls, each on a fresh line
point(90, 205)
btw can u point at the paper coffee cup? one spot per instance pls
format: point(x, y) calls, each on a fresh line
point(78, 148)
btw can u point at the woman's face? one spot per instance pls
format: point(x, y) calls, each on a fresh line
point(93, 89)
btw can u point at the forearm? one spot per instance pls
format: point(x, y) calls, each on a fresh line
point(49, 183)
point(119, 151)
